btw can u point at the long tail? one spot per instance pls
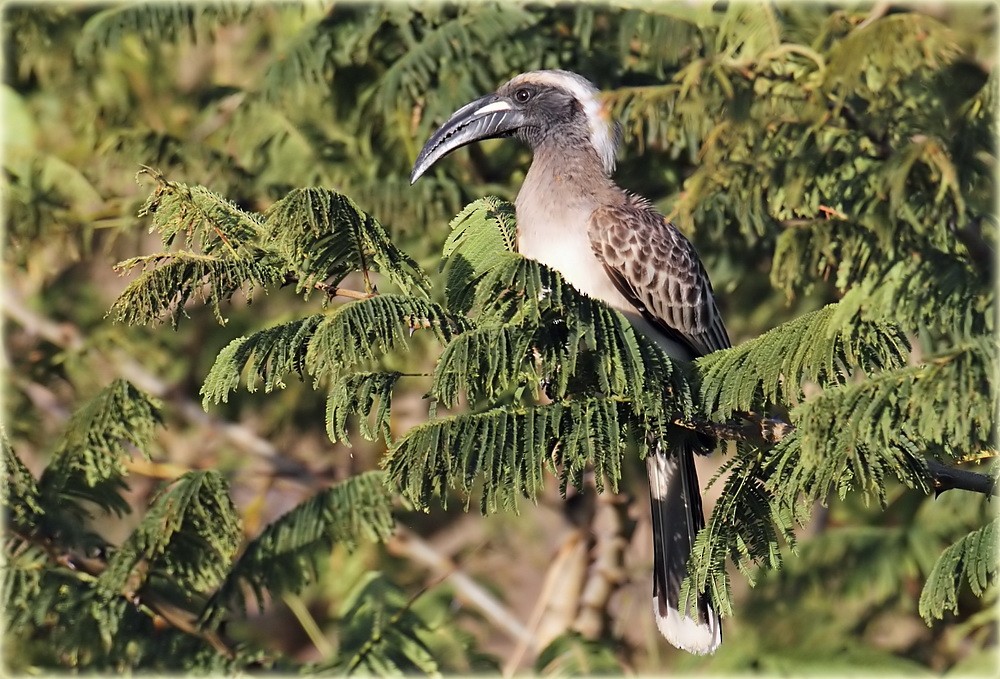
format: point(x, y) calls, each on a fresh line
point(675, 498)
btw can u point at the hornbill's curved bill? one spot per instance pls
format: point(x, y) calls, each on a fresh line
point(485, 118)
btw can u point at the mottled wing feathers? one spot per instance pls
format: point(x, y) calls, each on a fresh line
point(657, 269)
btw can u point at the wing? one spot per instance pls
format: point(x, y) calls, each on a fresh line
point(658, 270)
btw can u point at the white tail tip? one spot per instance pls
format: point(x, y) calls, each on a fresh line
point(686, 633)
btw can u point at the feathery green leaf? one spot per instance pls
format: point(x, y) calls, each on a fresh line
point(773, 368)
point(507, 451)
point(357, 394)
point(327, 236)
point(89, 462)
point(362, 331)
point(268, 355)
point(176, 277)
point(189, 536)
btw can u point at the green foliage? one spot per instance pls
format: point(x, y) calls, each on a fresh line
point(90, 605)
point(934, 293)
point(18, 492)
point(382, 634)
point(268, 355)
point(360, 332)
point(91, 611)
point(107, 29)
point(482, 229)
point(744, 527)
point(813, 349)
point(459, 38)
point(362, 394)
point(853, 437)
point(950, 400)
point(326, 236)
point(507, 450)
point(326, 345)
point(200, 217)
point(285, 556)
point(165, 289)
point(314, 237)
point(483, 362)
point(188, 536)
point(972, 559)
point(577, 346)
point(88, 464)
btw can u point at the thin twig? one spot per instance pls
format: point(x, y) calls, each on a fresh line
point(333, 291)
point(309, 624)
point(878, 10)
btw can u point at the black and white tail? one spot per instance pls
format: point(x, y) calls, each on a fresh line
point(675, 498)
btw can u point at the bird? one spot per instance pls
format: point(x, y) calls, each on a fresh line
point(614, 246)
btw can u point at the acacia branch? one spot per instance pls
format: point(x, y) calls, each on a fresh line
point(332, 291)
point(948, 478)
point(768, 431)
point(88, 569)
point(762, 431)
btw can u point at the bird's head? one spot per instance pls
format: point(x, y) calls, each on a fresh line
point(538, 107)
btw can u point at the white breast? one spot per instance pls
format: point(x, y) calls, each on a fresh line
point(559, 239)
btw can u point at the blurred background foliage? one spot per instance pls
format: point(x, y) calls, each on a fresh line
point(802, 146)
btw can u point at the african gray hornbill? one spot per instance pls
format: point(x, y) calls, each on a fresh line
point(616, 247)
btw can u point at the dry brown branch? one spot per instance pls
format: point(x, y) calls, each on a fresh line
point(606, 570)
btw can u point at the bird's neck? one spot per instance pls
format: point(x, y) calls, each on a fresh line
point(568, 175)
point(560, 192)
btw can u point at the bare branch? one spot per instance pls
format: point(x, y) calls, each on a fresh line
point(948, 478)
point(333, 291)
point(767, 431)
point(753, 429)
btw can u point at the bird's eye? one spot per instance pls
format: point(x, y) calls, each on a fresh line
point(522, 95)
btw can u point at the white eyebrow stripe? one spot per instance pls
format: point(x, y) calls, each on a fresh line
point(491, 108)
